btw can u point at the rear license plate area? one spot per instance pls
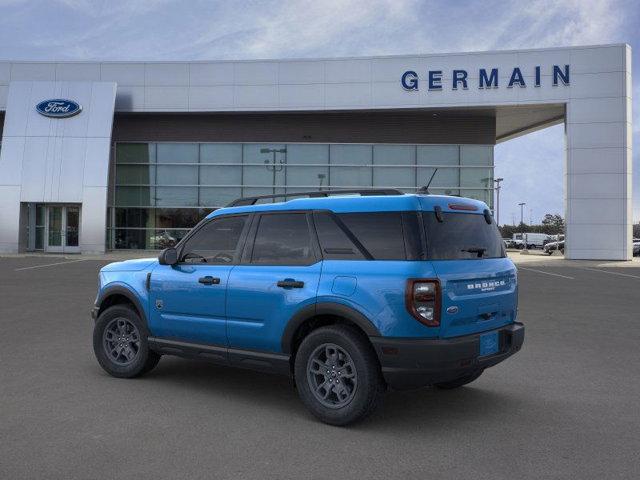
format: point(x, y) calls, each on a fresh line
point(489, 344)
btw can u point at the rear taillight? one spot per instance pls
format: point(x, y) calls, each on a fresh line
point(423, 300)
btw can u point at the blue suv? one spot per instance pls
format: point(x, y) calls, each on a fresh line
point(348, 292)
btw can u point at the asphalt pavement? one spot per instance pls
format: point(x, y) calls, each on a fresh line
point(566, 406)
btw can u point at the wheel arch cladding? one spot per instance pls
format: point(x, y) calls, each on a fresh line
point(313, 316)
point(119, 295)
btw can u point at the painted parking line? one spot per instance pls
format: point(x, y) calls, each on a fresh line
point(546, 273)
point(49, 265)
point(611, 273)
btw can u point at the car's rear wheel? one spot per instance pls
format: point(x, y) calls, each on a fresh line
point(120, 343)
point(459, 382)
point(337, 375)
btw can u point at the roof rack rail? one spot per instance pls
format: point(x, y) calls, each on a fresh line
point(244, 201)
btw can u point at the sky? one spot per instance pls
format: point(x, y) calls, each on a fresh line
point(532, 165)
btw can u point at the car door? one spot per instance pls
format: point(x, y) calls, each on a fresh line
point(278, 275)
point(187, 300)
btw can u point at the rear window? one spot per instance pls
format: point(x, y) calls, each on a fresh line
point(461, 236)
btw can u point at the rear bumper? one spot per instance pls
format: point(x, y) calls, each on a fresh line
point(411, 363)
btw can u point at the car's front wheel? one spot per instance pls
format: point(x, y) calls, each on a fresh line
point(337, 375)
point(120, 343)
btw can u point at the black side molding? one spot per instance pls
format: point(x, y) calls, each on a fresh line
point(268, 362)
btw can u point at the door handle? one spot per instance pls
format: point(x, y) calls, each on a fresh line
point(290, 283)
point(209, 280)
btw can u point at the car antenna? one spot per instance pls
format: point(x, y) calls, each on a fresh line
point(424, 190)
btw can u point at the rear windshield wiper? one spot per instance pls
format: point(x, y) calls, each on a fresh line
point(479, 250)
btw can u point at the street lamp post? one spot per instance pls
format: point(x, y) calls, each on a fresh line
point(497, 182)
point(524, 235)
point(522, 212)
point(273, 165)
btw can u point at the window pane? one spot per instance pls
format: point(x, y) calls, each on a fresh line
point(222, 175)
point(135, 152)
point(380, 233)
point(159, 217)
point(179, 217)
point(309, 177)
point(216, 242)
point(221, 153)
point(283, 239)
point(351, 176)
point(252, 192)
point(445, 177)
point(135, 196)
point(176, 196)
point(445, 191)
point(335, 244)
point(438, 155)
point(476, 155)
point(177, 153)
point(177, 175)
point(263, 173)
point(134, 217)
point(452, 238)
point(476, 177)
point(394, 176)
point(482, 195)
point(39, 238)
point(135, 175)
point(132, 239)
point(40, 219)
point(218, 196)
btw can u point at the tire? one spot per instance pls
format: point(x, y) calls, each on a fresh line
point(132, 357)
point(355, 388)
point(459, 382)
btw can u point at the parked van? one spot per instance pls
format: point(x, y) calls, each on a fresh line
point(531, 240)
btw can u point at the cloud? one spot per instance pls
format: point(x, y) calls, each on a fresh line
point(246, 29)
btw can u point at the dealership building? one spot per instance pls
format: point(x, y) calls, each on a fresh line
point(99, 156)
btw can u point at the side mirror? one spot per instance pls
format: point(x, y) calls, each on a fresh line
point(168, 256)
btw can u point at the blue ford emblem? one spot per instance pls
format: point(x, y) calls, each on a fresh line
point(58, 108)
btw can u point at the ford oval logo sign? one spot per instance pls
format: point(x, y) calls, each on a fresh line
point(58, 108)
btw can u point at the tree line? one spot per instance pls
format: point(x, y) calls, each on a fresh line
point(552, 224)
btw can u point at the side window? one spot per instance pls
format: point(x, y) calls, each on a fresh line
point(381, 233)
point(283, 239)
point(334, 242)
point(216, 242)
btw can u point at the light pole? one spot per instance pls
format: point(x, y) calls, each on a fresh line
point(524, 235)
point(522, 212)
point(497, 182)
point(274, 165)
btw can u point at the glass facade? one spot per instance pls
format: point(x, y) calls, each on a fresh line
point(161, 190)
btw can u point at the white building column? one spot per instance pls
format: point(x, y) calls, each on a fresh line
point(598, 206)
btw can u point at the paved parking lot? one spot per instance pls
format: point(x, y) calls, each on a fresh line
point(564, 407)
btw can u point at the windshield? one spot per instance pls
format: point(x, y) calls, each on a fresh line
point(461, 236)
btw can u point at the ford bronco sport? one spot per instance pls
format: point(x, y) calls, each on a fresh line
point(348, 294)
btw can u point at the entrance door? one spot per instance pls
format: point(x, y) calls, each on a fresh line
point(62, 229)
point(72, 229)
point(54, 229)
